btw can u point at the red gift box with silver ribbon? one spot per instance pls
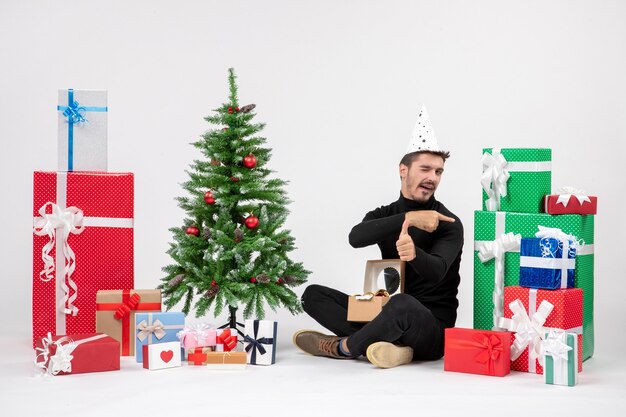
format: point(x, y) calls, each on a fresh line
point(570, 200)
point(531, 313)
point(82, 243)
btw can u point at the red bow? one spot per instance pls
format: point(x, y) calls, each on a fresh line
point(490, 349)
point(229, 341)
point(127, 306)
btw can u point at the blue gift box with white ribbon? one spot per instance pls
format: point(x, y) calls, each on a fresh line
point(152, 328)
point(82, 130)
point(260, 341)
point(547, 263)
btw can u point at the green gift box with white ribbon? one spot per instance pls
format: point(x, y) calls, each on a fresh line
point(560, 351)
point(516, 179)
point(497, 235)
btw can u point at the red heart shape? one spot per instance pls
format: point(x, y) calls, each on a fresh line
point(167, 355)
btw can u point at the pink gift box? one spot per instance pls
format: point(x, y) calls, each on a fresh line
point(197, 336)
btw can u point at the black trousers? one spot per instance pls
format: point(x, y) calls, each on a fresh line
point(403, 320)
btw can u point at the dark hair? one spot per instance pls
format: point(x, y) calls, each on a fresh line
point(410, 157)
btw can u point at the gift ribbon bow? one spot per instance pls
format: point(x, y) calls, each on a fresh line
point(494, 178)
point(369, 295)
point(566, 242)
point(125, 307)
point(256, 343)
point(555, 345)
point(74, 112)
point(155, 328)
point(529, 330)
point(61, 361)
point(225, 338)
point(66, 221)
point(199, 331)
point(565, 193)
point(496, 249)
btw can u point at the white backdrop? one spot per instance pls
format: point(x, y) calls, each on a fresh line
point(339, 84)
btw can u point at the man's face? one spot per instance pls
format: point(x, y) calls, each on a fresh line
point(420, 181)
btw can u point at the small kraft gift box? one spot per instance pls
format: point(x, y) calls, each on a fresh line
point(364, 307)
point(260, 341)
point(161, 355)
point(474, 351)
point(153, 328)
point(82, 116)
point(115, 314)
point(570, 200)
point(209, 359)
point(77, 354)
point(82, 243)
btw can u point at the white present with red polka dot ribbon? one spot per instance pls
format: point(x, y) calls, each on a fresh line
point(87, 219)
point(567, 314)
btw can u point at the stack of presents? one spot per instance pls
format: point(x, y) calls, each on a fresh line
point(533, 274)
point(86, 312)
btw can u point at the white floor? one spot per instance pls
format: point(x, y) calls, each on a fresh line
point(302, 385)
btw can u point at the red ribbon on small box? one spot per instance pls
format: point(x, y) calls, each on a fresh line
point(228, 340)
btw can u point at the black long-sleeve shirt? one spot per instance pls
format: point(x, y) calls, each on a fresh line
point(433, 276)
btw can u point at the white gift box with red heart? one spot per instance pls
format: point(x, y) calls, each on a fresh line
point(161, 355)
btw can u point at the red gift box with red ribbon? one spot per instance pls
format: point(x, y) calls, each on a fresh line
point(115, 314)
point(532, 313)
point(82, 243)
point(481, 352)
point(77, 354)
point(226, 340)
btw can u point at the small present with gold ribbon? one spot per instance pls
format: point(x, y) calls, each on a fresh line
point(473, 351)
point(363, 308)
point(153, 328)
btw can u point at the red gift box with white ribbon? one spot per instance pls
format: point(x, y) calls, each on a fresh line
point(569, 200)
point(82, 243)
point(530, 313)
point(77, 354)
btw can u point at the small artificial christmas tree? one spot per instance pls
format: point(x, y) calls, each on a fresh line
point(231, 250)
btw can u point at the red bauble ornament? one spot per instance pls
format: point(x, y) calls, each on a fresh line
point(280, 281)
point(249, 161)
point(225, 129)
point(253, 280)
point(192, 230)
point(252, 221)
point(236, 108)
point(213, 283)
point(230, 110)
point(208, 198)
point(234, 179)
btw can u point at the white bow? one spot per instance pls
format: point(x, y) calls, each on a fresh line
point(494, 178)
point(565, 193)
point(529, 332)
point(496, 249)
point(69, 220)
point(555, 345)
point(61, 361)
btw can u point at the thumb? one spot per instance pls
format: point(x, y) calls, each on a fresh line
point(405, 228)
point(446, 218)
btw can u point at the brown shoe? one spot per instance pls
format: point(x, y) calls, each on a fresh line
point(317, 344)
point(388, 355)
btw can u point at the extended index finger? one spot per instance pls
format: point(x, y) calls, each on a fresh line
point(446, 218)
